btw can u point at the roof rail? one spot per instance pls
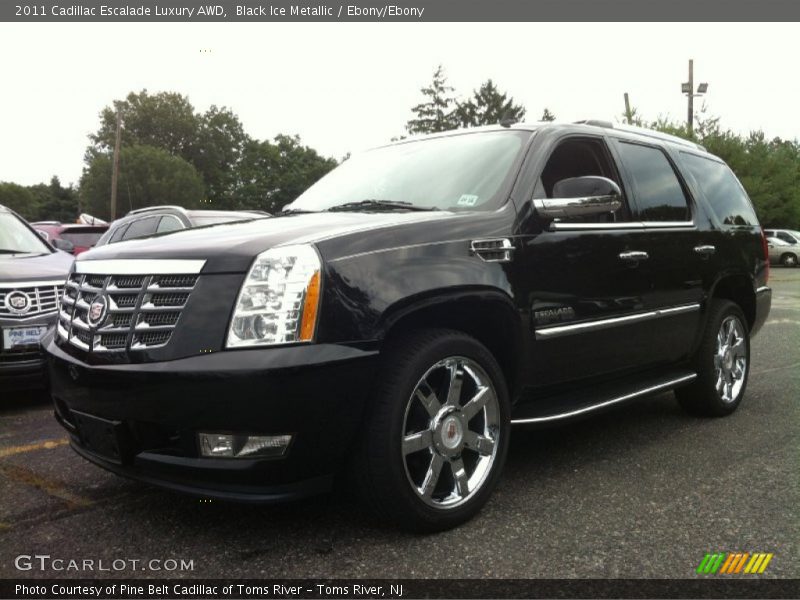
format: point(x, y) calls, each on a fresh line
point(674, 139)
point(161, 207)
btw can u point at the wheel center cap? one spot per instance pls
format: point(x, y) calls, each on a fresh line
point(728, 359)
point(452, 432)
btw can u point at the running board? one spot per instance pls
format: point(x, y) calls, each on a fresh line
point(578, 404)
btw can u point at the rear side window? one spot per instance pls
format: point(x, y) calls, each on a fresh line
point(141, 228)
point(722, 190)
point(658, 191)
point(168, 223)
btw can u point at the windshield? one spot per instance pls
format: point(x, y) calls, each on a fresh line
point(16, 238)
point(464, 172)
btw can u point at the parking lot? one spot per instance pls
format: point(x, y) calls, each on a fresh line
point(645, 491)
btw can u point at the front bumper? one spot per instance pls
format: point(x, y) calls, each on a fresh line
point(21, 371)
point(316, 393)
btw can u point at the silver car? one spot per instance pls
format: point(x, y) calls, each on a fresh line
point(782, 252)
point(32, 276)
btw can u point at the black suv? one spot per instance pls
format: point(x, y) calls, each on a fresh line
point(409, 309)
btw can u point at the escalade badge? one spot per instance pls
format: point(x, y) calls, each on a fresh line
point(97, 311)
point(18, 302)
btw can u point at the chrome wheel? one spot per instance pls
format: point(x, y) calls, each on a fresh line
point(450, 432)
point(730, 359)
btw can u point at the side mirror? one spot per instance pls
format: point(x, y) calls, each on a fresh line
point(64, 245)
point(580, 197)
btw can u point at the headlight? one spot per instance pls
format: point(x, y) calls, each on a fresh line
point(279, 299)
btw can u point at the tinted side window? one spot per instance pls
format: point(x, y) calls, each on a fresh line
point(117, 235)
point(659, 194)
point(721, 188)
point(141, 228)
point(786, 237)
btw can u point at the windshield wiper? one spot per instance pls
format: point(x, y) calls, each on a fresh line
point(380, 205)
point(296, 211)
point(9, 251)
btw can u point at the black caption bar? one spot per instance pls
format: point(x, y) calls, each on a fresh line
point(130, 589)
point(399, 10)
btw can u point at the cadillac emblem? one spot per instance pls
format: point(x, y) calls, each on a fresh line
point(18, 302)
point(97, 311)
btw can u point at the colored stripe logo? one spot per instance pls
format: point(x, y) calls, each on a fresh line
point(734, 563)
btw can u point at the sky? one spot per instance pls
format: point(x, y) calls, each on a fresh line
point(345, 87)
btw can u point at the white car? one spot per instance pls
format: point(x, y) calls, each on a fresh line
point(783, 252)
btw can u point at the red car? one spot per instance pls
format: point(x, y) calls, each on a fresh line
point(73, 238)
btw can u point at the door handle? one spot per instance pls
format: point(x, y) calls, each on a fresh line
point(634, 255)
point(705, 250)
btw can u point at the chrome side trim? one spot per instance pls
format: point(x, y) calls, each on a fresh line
point(136, 266)
point(556, 226)
point(644, 391)
point(668, 224)
point(547, 333)
point(29, 284)
point(763, 289)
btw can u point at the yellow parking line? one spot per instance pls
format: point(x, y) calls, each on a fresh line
point(48, 486)
point(46, 445)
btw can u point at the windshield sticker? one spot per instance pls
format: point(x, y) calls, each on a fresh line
point(467, 200)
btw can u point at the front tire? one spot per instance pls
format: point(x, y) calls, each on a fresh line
point(722, 363)
point(436, 436)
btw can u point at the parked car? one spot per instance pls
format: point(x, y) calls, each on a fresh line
point(790, 236)
point(32, 276)
point(782, 252)
point(145, 222)
point(410, 308)
point(70, 237)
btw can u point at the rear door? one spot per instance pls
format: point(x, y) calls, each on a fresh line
point(681, 254)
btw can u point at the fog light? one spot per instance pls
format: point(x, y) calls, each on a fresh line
point(229, 445)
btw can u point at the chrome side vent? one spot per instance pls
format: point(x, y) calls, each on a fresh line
point(498, 250)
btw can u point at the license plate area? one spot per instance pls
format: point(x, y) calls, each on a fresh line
point(22, 338)
point(106, 438)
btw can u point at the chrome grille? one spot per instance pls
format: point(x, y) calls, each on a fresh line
point(142, 310)
point(42, 298)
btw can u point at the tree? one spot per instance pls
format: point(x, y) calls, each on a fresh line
point(212, 141)
point(148, 176)
point(55, 202)
point(488, 106)
point(437, 113)
point(272, 174)
point(547, 115)
point(19, 199)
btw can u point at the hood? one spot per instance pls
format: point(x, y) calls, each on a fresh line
point(31, 267)
point(231, 247)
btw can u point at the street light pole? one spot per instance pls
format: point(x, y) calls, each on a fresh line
point(688, 89)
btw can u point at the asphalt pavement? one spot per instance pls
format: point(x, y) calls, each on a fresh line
point(643, 491)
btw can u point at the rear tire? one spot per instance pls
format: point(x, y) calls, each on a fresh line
point(722, 363)
point(789, 260)
point(436, 435)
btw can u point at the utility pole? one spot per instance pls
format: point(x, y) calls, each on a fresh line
point(690, 113)
point(628, 115)
point(688, 89)
point(115, 169)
